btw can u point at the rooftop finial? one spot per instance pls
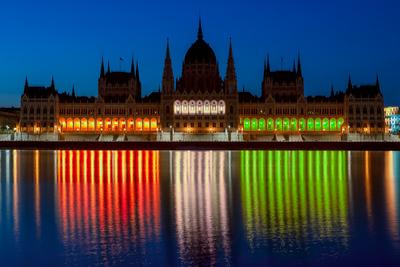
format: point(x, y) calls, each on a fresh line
point(200, 31)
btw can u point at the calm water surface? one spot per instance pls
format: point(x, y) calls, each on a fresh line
point(248, 208)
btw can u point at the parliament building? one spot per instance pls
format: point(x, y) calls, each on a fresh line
point(201, 102)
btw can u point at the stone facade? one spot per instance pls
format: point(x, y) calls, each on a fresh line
point(200, 102)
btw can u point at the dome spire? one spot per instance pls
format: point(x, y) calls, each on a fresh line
point(200, 31)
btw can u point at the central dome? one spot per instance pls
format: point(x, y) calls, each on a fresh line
point(200, 52)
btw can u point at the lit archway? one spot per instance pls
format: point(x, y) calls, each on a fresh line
point(206, 107)
point(270, 124)
point(318, 125)
point(302, 124)
point(192, 107)
point(221, 107)
point(246, 124)
point(199, 107)
point(278, 124)
point(139, 124)
point(293, 124)
point(286, 124)
point(130, 124)
point(91, 126)
point(153, 124)
point(310, 124)
point(146, 124)
point(99, 124)
point(177, 107)
point(332, 124)
point(214, 107)
point(185, 107)
point(77, 124)
point(325, 124)
point(84, 125)
point(261, 124)
point(254, 124)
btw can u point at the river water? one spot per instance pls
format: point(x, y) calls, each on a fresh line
point(199, 208)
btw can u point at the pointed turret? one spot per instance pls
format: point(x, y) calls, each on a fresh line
point(168, 75)
point(138, 92)
point(108, 67)
point(102, 68)
point(200, 31)
point(230, 75)
point(299, 72)
point(294, 66)
point(378, 85)
point(267, 75)
point(349, 85)
point(132, 68)
point(73, 91)
point(52, 83)
point(137, 72)
point(332, 92)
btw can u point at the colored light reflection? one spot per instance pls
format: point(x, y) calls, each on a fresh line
point(201, 199)
point(103, 198)
point(285, 192)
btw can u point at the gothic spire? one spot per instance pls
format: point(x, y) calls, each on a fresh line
point(132, 68)
point(102, 67)
point(52, 82)
point(26, 82)
point(230, 75)
point(299, 73)
point(267, 68)
point(200, 31)
point(349, 84)
point(378, 86)
point(168, 75)
point(108, 68)
point(137, 72)
point(73, 91)
point(332, 91)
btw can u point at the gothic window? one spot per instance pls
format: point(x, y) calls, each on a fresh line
point(166, 110)
point(192, 107)
point(214, 107)
point(351, 110)
point(231, 109)
point(199, 107)
point(221, 107)
point(185, 108)
point(365, 110)
point(177, 107)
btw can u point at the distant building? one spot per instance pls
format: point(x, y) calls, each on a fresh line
point(392, 120)
point(201, 101)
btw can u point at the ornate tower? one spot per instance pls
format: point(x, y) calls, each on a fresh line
point(168, 75)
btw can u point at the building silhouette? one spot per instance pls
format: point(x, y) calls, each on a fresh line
point(200, 101)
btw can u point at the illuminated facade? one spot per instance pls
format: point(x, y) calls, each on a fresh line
point(200, 101)
point(392, 120)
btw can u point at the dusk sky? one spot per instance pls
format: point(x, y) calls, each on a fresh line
point(68, 38)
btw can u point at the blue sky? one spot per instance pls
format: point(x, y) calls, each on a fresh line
point(68, 38)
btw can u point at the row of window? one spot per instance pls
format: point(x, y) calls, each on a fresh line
point(292, 124)
point(365, 110)
point(199, 125)
point(199, 107)
point(107, 111)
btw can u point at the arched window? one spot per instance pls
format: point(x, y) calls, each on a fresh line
point(214, 107)
point(199, 107)
point(302, 124)
point(261, 124)
point(270, 124)
point(221, 107)
point(38, 110)
point(278, 124)
point(365, 110)
point(207, 107)
point(44, 111)
point(166, 110)
point(293, 124)
point(153, 124)
point(192, 107)
point(254, 124)
point(146, 124)
point(91, 124)
point(231, 109)
point(177, 107)
point(310, 124)
point(318, 126)
point(51, 110)
point(246, 124)
point(325, 124)
point(185, 107)
point(332, 124)
point(340, 123)
point(139, 124)
point(286, 124)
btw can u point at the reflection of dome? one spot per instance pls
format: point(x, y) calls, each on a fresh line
point(200, 52)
